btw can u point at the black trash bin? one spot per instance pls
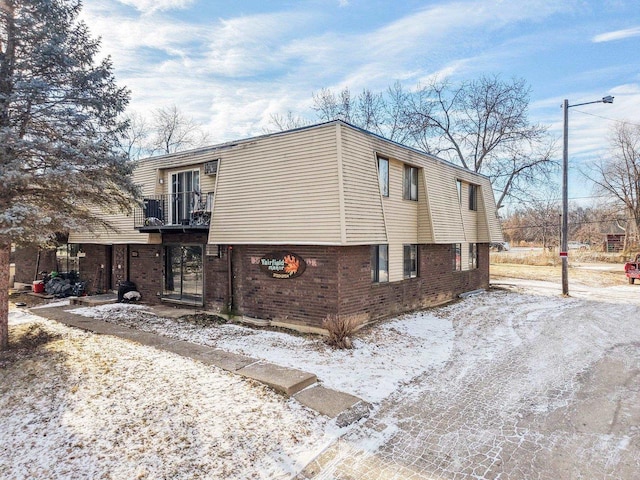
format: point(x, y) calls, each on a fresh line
point(124, 287)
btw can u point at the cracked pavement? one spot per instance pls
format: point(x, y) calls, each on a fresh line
point(536, 387)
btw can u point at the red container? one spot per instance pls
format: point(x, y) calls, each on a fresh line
point(38, 286)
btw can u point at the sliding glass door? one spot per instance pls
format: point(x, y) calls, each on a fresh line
point(183, 280)
point(183, 187)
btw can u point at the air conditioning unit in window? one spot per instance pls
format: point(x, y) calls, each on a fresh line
point(211, 168)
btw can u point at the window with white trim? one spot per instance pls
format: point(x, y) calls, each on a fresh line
point(410, 261)
point(473, 256)
point(383, 175)
point(473, 197)
point(457, 257)
point(410, 184)
point(379, 263)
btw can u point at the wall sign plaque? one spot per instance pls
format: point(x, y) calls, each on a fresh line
point(282, 265)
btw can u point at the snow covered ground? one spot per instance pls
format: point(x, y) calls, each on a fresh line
point(89, 406)
point(377, 365)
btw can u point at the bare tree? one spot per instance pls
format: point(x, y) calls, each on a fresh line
point(618, 175)
point(134, 139)
point(396, 104)
point(482, 125)
point(173, 131)
point(537, 222)
point(280, 123)
point(331, 106)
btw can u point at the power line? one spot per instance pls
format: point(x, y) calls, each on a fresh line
point(608, 119)
point(557, 225)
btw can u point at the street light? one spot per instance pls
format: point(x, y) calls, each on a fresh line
point(565, 195)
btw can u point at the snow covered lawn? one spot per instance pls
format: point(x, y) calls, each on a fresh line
point(84, 406)
point(88, 406)
point(377, 365)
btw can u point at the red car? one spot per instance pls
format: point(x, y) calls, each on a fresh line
point(632, 269)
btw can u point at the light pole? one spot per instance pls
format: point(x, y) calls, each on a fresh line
point(565, 195)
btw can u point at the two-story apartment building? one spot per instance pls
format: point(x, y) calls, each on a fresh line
point(293, 226)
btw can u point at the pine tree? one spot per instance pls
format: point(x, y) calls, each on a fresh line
point(59, 124)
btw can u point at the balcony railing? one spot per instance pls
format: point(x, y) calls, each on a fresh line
point(188, 210)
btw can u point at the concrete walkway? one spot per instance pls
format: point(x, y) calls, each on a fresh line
point(302, 386)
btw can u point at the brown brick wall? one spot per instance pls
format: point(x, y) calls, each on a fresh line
point(26, 258)
point(94, 267)
point(145, 270)
point(216, 282)
point(338, 280)
point(304, 300)
point(436, 283)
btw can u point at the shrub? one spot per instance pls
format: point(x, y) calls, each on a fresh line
point(341, 328)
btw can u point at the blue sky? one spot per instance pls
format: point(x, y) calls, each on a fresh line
point(232, 64)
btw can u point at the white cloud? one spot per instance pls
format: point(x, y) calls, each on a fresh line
point(617, 35)
point(252, 44)
point(233, 73)
point(149, 6)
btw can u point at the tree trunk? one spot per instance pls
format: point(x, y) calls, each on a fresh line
point(5, 251)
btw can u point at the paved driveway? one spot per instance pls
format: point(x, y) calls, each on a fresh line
point(537, 387)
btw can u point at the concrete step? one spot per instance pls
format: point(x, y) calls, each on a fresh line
point(345, 408)
point(282, 379)
point(93, 300)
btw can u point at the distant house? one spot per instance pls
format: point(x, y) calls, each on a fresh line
point(293, 226)
point(614, 242)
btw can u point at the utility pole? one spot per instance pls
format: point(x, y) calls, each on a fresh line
point(564, 254)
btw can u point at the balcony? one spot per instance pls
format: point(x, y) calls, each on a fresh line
point(188, 211)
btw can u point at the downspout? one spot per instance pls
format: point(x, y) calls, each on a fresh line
point(128, 260)
point(35, 276)
point(229, 280)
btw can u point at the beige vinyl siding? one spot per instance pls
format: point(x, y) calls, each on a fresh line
point(465, 255)
point(440, 217)
point(445, 208)
point(207, 182)
point(402, 220)
point(122, 230)
point(282, 189)
point(425, 227)
point(363, 207)
point(319, 185)
point(491, 230)
point(469, 217)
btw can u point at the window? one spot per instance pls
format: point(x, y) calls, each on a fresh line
point(383, 176)
point(457, 257)
point(473, 256)
point(380, 263)
point(410, 183)
point(459, 187)
point(473, 194)
point(410, 261)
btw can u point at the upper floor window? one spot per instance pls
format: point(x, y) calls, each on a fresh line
point(410, 264)
point(379, 263)
point(410, 183)
point(473, 197)
point(383, 176)
point(459, 187)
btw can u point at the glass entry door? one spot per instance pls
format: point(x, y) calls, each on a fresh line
point(183, 187)
point(183, 280)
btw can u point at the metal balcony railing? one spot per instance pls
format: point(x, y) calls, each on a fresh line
point(164, 212)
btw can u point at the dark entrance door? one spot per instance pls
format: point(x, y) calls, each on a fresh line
point(183, 278)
